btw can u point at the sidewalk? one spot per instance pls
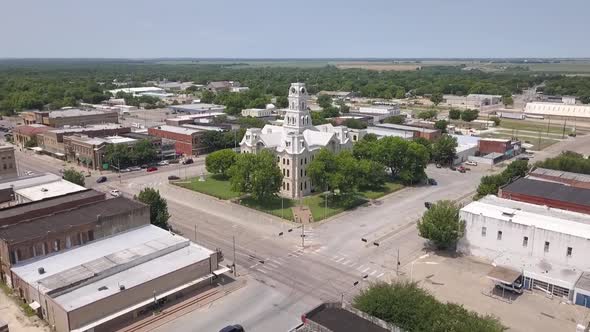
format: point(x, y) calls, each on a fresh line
point(12, 314)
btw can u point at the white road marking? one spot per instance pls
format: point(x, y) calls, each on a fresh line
point(374, 271)
point(345, 262)
point(276, 261)
point(360, 267)
point(339, 259)
point(379, 276)
point(365, 270)
point(273, 265)
point(261, 271)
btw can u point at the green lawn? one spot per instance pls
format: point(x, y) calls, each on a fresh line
point(556, 126)
point(211, 186)
point(282, 207)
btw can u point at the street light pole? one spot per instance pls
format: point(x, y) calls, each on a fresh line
point(234, 264)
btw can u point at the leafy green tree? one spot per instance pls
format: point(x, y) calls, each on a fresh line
point(516, 169)
point(496, 120)
point(425, 143)
point(428, 114)
point(416, 159)
point(250, 122)
point(489, 185)
point(366, 148)
point(330, 112)
point(74, 176)
point(325, 101)
point(320, 168)
point(31, 143)
point(469, 115)
point(444, 149)
point(219, 162)
point(343, 107)
point(372, 174)
point(454, 114)
point(507, 100)
point(256, 174)
point(207, 96)
point(567, 161)
point(395, 119)
point(317, 118)
point(436, 98)
point(143, 151)
point(158, 207)
point(355, 124)
point(441, 125)
point(441, 225)
point(390, 152)
point(282, 102)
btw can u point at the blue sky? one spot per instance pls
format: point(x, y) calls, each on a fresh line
point(294, 29)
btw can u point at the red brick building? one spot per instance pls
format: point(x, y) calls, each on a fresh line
point(551, 194)
point(572, 179)
point(498, 145)
point(188, 141)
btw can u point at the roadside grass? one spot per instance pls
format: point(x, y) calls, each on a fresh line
point(27, 310)
point(538, 145)
point(221, 188)
point(212, 186)
point(556, 126)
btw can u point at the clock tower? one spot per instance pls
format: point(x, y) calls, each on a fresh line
point(297, 116)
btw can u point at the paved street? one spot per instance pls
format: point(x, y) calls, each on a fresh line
point(333, 259)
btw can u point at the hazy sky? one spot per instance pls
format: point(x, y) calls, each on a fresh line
point(294, 29)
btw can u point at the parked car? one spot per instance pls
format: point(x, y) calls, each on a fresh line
point(115, 193)
point(125, 170)
point(427, 205)
point(135, 168)
point(101, 179)
point(432, 182)
point(438, 166)
point(232, 328)
point(187, 161)
point(523, 158)
point(572, 134)
point(152, 169)
point(461, 169)
point(145, 166)
point(173, 177)
point(471, 163)
point(174, 161)
point(164, 163)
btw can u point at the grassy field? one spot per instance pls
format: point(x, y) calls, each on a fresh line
point(221, 188)
point(211, 186)
point(541, 144)
point(555, 127)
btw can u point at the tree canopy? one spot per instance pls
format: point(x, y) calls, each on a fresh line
point(444, 149)
point(158, 207)
point(441, 225)
point(436, 98)
point(567, 161)
point(454, 114)
point(490, 184)
point(122, 155)
point(256, 174)
point(74, 176)
point(469, 115)
point(219, 162)
point(395, 119)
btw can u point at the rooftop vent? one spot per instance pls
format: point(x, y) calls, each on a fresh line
point(101, 288)
point(121, 287)
point(41, 270)
point(508, 214)
point(44, 190)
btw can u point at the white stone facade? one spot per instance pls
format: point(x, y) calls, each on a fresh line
point(296, 142)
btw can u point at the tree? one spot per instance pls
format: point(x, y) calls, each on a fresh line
point(425, 143)
point(158, 207)
point(416, 159)
point(441, 125)
point(282, 102)
point(507, 100)
point(436, 98)
point(32, 142)
point(219, 162)
point(355, 124)
point(250, 122)
point(469, 115)
point(395, 119)
point(256, 174)
point(490, 184)
point(366, 148)
point(372, 174)
point(321, 167)
point(516, 169)
point(454, 114)
point(441, 225)
point(405, 160)
point(444, 149)
point(567, 161)
point(324, 101)
point(143, 151)
point(496, 120)
point(426, 115)
point(207, 96)
point(74, 176)
point(343, 107)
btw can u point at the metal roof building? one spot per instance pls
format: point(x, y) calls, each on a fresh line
point(105, 284)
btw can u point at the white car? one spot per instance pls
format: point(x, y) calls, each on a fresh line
point(471, 163)
point(115, 193)
point(164, 163)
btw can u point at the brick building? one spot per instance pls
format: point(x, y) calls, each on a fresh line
point(23, 134)
point(551, 194)
point(415, 132)
point(187, 141)
point(71, 117)
point(40, 236)
point(52, 141)
point(7, 162)
point(572, 179)
point(498, 145)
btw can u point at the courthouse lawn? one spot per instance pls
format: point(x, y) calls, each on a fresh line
point(212, 186)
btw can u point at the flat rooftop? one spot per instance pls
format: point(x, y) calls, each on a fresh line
point(47, 190)
point(196, 116)
point(25, 208)
point(341, 320)
point(196, 107)
point(81, 215)
point(73, 112)
point(542, 217)
point(561, 174)
point(77, 129)
point(549, 190)
point(177, 130)
point(28, 181)
point(388, 132)
point(73, 277)
point(119, 140)
point(405, 127)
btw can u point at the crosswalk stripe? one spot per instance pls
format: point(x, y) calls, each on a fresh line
point(374, 271)
point(379, 276)
point(261, 271)
point(365, 270)
point(339, 259)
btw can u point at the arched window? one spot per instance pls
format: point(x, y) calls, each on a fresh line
point(287, 173)
point(287, 185)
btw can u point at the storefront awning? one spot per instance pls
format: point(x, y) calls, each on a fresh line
point(36, 148)
point(504, 274)
point(221, 271)
point(34, 305)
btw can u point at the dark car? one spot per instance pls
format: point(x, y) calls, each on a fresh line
point(232, 328)
point(101, 179)
point(523, 158)
point(427, 205)
point(187, 162)
point(173, 177)
point(453, 168)
point(145, 166)
point(432, 182)
point(152, 169)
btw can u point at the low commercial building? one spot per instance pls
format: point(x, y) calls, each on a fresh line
point(476, 101)
point(23, 134)
point(198, 108)
point(33, 238)
point(164, 147)
point(7, 162)
point(74, 117)
point(46, 190)
point(548, 193)
point(341, 120)
point(52, 141)
point(429, 134)
point(138, 91)
point(336, 317)
point(339, 95)
point(257, 112)
point(187, 141)
point(192, 118)
point(510, 114)
point(498, 145)
point(222, 86)
point(546, 246)
point(467, 146)
point(380, 110)
point(106, 284)
point(557, 110)
point(569, 178)
point(8, 186)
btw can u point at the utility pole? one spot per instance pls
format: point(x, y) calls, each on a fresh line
point(234, 264)
point(548, 124)
point(195, 233)
point(302, 235)
point(397, 265)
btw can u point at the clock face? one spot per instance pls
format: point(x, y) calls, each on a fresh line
point(293, 90)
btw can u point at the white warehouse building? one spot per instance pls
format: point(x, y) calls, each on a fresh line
point(548, 247)
point(557, 109)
